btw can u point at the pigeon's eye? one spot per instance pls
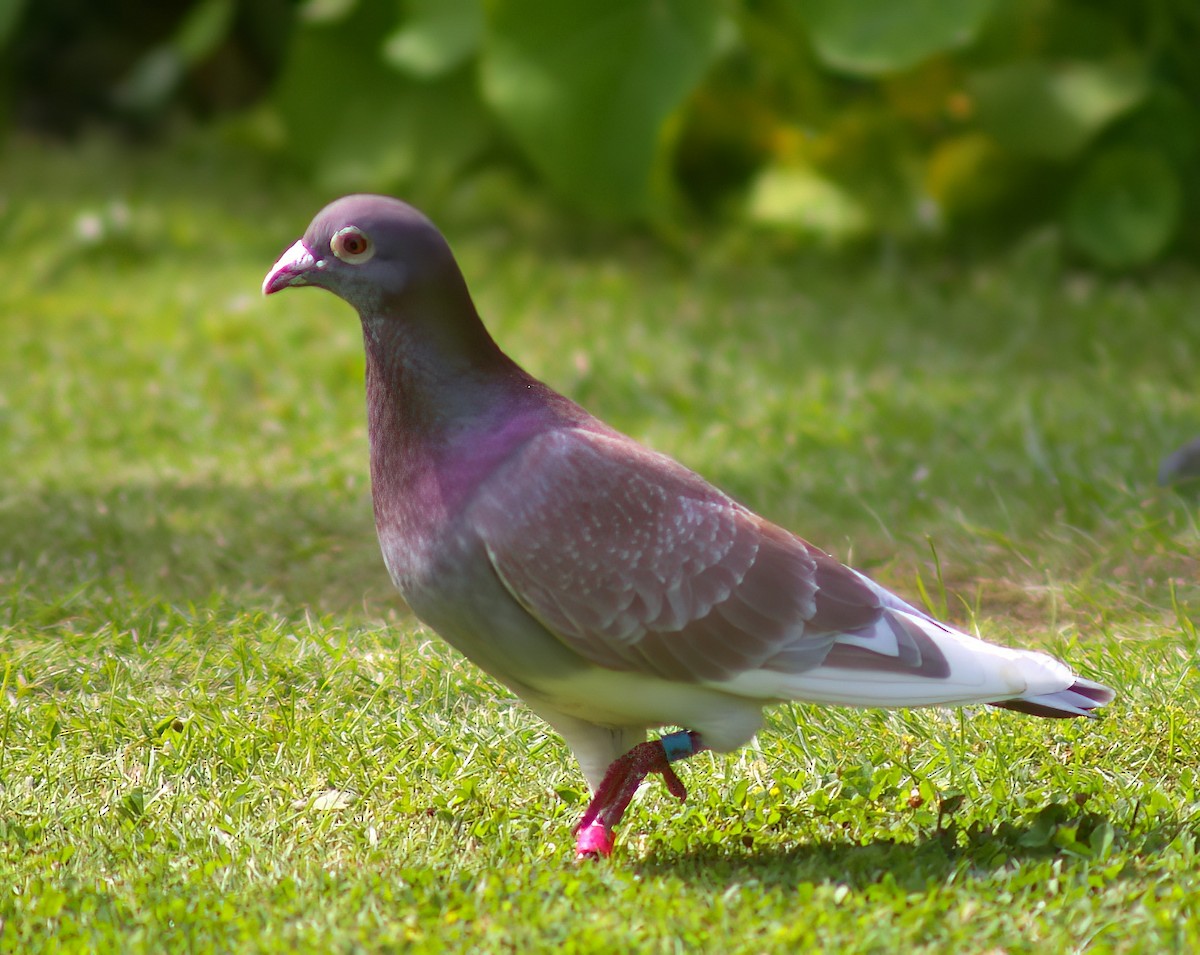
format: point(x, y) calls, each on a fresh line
point(351, 245)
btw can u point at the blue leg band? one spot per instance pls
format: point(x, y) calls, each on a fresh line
point(678, 745)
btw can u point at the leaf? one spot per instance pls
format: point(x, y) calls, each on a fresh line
point(1042, 830)
point(325, 11)
point(589, 89)
point(1052, 111)
point(133, 806)
point(1101, 840)
point(871, 37)
point(10, 17)
point(205, 27)
point(968, 173)
point(327, 800)
point(1125, 208)
point(437, 37)
point(1166, 120)
point(803, 200)
point(358, 124)
point(152, 80)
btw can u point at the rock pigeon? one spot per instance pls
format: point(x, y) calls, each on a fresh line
point(1181, 466)
point(610, 587)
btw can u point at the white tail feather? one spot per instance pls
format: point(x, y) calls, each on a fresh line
point(975, 672)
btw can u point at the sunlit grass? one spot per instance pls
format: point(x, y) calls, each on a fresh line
point(220, 730)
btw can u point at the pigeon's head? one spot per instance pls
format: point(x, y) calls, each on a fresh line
point(377, 253)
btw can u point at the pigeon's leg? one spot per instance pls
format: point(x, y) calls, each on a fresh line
point(594, 834)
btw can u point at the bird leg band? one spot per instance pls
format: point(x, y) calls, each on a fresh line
point(681, 745)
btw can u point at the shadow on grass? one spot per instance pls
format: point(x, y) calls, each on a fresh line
point(1057, 831)
point(281, 549)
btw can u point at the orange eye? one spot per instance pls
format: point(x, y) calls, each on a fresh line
point(351, 245)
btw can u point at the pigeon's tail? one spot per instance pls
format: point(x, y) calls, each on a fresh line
point(1023, 680)
point(1081, 698)
point(908, 659)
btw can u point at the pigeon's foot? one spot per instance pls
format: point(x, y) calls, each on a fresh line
point(594, 833)
point(593, 841)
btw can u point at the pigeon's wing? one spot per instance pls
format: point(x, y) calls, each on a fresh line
point(638, 564)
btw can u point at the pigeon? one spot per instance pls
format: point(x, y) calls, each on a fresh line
point(610, 587)
point(1181, 467)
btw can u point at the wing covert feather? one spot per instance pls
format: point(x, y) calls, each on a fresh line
point(639, 564)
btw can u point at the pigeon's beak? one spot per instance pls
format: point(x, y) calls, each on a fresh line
point(295, 267)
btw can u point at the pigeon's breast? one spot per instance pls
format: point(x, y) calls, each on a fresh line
point(422, 490)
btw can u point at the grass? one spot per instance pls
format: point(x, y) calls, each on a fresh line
point(220, 730)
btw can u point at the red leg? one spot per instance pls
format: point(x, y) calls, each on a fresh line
point(593, 834)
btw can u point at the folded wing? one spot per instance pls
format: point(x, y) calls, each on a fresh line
point(638, 564)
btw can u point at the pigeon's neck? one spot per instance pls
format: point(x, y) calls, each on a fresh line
point(442, 415)
point(426, 378)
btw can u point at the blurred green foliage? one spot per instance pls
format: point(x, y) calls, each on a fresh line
point(969, 121)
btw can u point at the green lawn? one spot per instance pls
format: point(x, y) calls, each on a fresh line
point(220, 730)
